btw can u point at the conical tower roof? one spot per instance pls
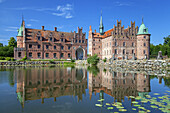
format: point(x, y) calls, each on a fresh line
point(142, 29)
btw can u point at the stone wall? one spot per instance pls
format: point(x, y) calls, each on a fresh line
point(139, 64)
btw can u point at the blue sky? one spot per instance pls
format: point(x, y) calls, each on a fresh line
point(67, 15)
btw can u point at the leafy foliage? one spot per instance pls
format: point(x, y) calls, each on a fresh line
point(104, 60)
point(8, 51)
point(93, 60)
point(165, 48)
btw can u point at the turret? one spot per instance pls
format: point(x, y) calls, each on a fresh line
point(143, 42)
point(21, 36)
point(101, 27)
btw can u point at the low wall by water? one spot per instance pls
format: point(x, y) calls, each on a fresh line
point(139, 64)
point(19, 63)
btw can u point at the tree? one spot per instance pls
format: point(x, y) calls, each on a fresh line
point(1, 44)
point(12, 42)
point(93, 60)
point(167, 40)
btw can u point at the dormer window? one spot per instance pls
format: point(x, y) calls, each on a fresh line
point(144, 30)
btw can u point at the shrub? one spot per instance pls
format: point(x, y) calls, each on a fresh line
point(93, 60)
point(12, 59)
point(8, 58)
point(72, 60)
point(104, 60)
point(51, 61)
point(2, 58)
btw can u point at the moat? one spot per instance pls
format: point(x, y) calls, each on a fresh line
point(81, 90)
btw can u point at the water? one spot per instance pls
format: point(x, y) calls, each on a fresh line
point(75, 90)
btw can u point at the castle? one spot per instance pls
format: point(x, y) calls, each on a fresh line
point(46, 44)
point(120, 43)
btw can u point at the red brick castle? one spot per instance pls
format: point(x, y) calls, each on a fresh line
point(46, 44)
point(120, 43)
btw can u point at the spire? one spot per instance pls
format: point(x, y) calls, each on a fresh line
point(101, 28)
point(142, 19)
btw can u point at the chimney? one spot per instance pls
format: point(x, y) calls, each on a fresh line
point(43, 28)
point(55, 28)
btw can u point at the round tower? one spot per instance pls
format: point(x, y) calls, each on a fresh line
point(143, 42)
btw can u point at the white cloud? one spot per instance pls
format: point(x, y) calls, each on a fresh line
point(58, 14)
point(11, 29)
point(64, 11)
point(3, 40)
point(122, 4)
point(34, 20)
point(61, 10)
point(28, 25)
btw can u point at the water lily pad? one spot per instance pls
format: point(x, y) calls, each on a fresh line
point(134, 102)
point(136, 105)
point(148, 111)
point(152, 106)
point(122, 109)
point(99, 100)
point(107, 104)
point(99, 105)
point(133, 109)
point(156, 94)
point(131, 96)
point(119, 107)
point(110, 108)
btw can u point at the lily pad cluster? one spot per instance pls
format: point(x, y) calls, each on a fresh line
point(143, 105)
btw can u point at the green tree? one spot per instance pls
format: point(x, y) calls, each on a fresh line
point(167, 40)
point(12, 42)
point(93, 60)
point(1, 44)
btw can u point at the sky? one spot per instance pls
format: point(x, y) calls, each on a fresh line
point(67, 15)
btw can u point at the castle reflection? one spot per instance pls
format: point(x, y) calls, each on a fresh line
point(119, 84)
point(41, 83)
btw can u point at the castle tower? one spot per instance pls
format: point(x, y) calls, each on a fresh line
point(21, 36)
point(143, 42)
point(90, 41)
point(101, 27)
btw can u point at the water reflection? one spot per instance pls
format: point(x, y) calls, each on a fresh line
point(42, 83)
point(33, 83)
point(119, 84)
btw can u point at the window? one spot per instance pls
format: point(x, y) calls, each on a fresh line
point(69, 47)
point(39, 46)
point(132, 51)
point(144, 37)
point(144, 44)
point(38, 55)
point(99, 46)
point(68, 55)
point(115, 51)
point(62, 47)
point(54, 55)
point(115, 43)
point(124, 44)
point(47, 46)
point(62, 40)
point(144, 30)
point(30, 54)
point(38, 38)
point(76, 41)
point(19, 54)
point(144, 52)
point(47, 55)
point(132, 44)
point(30, 45)
point(62, 55)
point(54, 47)
point(123, 51)
point(51, 39)
point(79, 41)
